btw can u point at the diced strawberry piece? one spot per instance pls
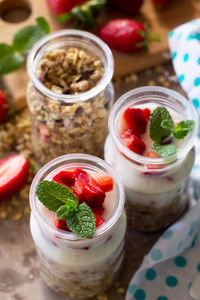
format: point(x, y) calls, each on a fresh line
point(146, 113)
point(102, 181)
point(92, 196)
point(68, 177)
point(153, 154)
point(135, 120)
point(98, 210)
point(60, 224)
point(80, 182)
point(133, 142)
point(13, 175)
point(99, 220)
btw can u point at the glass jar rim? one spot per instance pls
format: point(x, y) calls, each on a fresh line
point(131, 95)
point(83, 36)
point(70, 236)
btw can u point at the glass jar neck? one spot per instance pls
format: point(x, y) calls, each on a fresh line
point(90, 164)
point(160, 97)
point(65, 39)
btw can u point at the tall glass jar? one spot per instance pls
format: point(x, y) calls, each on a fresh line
point(156, 196)
point(69, 123)
point(70, 265)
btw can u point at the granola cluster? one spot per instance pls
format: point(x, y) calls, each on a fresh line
point(61, 127)
point(70, 71)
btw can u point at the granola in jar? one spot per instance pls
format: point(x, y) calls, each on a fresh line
point(69, 95)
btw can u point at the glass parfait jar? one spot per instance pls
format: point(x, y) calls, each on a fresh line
point(69, 123)
point(156, 188)
point(70, 265)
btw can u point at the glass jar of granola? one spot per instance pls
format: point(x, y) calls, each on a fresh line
point(70, 265)
point(69, 94)
point(156, 186)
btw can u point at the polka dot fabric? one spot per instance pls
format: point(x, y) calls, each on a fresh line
point(184, 43)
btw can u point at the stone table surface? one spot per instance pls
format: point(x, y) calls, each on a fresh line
point(19, 272)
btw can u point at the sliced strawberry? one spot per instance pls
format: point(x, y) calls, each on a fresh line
point(60, 224)
point(13, 175)
point(92, 196)
point(68, 177)
point(62, 6)
point(133, 142)
point(146, 113)
point(80, 182)
point(99, 220)
point(102, 181)
point(135, 120)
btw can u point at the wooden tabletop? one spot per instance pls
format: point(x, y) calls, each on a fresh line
point(19, 271)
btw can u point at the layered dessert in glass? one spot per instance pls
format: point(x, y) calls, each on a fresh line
point(74, 262)
point(153, 161)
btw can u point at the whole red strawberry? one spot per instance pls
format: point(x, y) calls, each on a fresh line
point(130, 7)
point(62, 6)
point(4, 106)
point(126, 35)
point(161, 3)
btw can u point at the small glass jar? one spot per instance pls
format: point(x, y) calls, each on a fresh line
point(69, 123)
point(156, 196)
point(70, 265)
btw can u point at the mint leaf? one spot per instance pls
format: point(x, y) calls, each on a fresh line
point(167, 124)
point(66, 211)
point(26, 37)
point(52, 194)
point(10, 63)
point(42, 23)
point(164, 150)
point(83, 222)
point(183, 128)
point(5, 50)
point(156, 131)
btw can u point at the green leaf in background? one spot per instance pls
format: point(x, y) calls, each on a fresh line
point(25, 38)
point(42, 23)
point(83, 222)
point(65, 17)
point(164, 150)
point(183, 128)
point(5, 50)
point(10, 63)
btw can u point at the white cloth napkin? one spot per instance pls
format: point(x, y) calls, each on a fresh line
point(173, 263)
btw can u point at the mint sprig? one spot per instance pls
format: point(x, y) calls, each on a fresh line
point(59, 199)
point(162, 127)
point(12, 56)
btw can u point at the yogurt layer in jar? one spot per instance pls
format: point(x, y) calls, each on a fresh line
point(71, 265)
point(69, 94)
point(156, 187)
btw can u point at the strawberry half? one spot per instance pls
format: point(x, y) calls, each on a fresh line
point(102, 181)
point(133, 142)
point(99, 220)
point(60, 224)
point(13, 175)
point(134, 119)
point(4, 106)
point(59, 7)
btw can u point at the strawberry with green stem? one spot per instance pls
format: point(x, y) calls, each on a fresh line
point(127, 35)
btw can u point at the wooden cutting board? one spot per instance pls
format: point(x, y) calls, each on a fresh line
point(178, 12)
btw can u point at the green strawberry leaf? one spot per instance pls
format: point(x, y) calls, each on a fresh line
point(43, 24)
point(83, 222)
point(10, 63)
point(52, 194)
point(183, 128)
point(5, 50)
point(26, 37)
point(64, 17)
point(156, 131)
point(164, 150)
